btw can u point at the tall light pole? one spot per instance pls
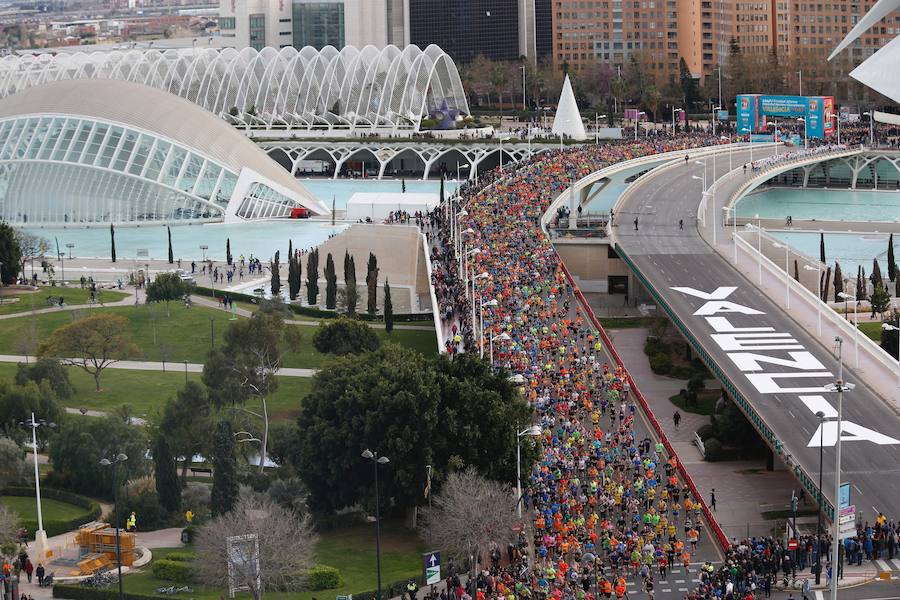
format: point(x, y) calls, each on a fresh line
point(840, 387)
point(787, 274)
point(40, 536)
point(851, 298)
point(377, 460)
point(800, 74)
point(491, 304)
point(871, 115)
point(889, 327)
point(503, 337)
point(534, 430)
point(713, 115)
point(105, 462)
point(774, 125)
point(805, 132)
point(821, 417)
point(818, 271)
point(597, 127)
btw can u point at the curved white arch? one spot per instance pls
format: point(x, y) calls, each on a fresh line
point(351, 88)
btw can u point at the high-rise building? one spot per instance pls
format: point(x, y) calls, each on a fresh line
point(256, 23)
point(662, 32)
point(465, 29)
point(318, 23)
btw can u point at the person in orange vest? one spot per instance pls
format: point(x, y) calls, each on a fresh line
point(607, 588)
point(620, 588)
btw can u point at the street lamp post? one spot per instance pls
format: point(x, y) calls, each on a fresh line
point(889, 327)
point(818, 271)
point(787, 274)
point(490, 303)
point(840, 387)
point(713, 119)
point(805, 133)
point(503, 337)
point(40, 536)
point(774, 125)
point(852, 298)
point(597, 127)
point(871, 115)
point(377, 460)
point(534, 430)
point(818, 569)
point(105, 462)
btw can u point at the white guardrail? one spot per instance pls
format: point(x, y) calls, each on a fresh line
point(435, 308)
point(845, 327)
point(698, 441)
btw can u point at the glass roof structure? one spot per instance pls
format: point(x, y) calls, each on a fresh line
point(352, 88)
point(88, 152)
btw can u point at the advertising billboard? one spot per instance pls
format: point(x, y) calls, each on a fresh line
point(754, 109)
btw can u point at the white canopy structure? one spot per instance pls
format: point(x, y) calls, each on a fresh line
point(348, 89)
point(378, 205)
point(567, 121)
point(879, 71)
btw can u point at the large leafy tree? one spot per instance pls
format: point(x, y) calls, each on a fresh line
point(344, 336)
point(78, 447)
point(10, 253)
point(414, 410)
point(244, 367)
point(167, 287)
point(91, 344)
point(18, 402)
point(185, 421)
point(31, 246)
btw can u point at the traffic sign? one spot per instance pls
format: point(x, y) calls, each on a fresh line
point(793, 544)
point(431, 565)
point(847, 522)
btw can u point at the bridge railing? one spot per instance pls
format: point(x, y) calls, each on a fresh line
point(645, 407)
point(758, 422)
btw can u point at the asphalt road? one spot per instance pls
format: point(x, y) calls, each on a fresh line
point(669, 257)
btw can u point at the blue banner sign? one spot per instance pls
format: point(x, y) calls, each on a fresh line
point(816, 111)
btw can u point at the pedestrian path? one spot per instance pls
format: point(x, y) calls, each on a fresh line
point(146, 365)
point(888, 564)
point(127, 301)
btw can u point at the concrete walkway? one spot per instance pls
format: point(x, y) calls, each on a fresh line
point(139, 365)
point(741, 486)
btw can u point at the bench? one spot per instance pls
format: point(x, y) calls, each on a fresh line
point(204, 470)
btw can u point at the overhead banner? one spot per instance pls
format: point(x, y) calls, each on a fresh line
point(817, 111)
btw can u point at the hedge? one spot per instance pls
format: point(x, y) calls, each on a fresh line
point(311, 311)
point(172, 570)
point(323, 577)
point(180, 556)
point(54, 527)
point(80, 592)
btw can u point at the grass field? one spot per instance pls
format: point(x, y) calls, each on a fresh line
point(38, 300)
point(145, 391)
point(872, 331)
point(351, 550)
point(53, 510)
point(184, 335)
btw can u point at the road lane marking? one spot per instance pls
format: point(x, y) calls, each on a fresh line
point(820, 595)
point(896, 563)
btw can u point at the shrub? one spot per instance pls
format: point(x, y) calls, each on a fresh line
point(173, 570)
point(714, 449)
point(660, 363)
point(706, 431)
point(323, 577)
point(345, 336)
point(180, 556)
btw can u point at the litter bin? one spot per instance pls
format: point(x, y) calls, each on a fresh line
point(186, 536)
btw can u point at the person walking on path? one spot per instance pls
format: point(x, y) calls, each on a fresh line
point(712, 499)
point(681, 224)
point(676, 418)
point(40, 574)
point(635, 223)
point(29, 569)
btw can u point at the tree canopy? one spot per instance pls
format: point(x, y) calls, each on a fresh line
point(345, 336)
point(167, 287)
point(10, 254)
point(414, 410)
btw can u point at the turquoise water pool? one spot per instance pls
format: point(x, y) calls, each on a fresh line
point(852, 250)
point(831, 205)
point(260, 238)
point(607, 197)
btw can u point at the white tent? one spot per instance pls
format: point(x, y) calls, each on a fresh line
point(567, 121)
point(377, 205)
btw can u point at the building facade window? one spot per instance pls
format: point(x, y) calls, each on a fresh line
point(318, 24)
point(258, 31)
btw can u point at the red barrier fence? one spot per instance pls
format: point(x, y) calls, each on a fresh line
point(707, 513)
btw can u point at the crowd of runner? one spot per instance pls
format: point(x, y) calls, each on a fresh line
point(606, 503)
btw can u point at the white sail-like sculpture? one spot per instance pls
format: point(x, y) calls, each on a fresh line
point(567, 121)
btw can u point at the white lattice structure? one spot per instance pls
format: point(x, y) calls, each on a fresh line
point(91, 152)
point(288, 89)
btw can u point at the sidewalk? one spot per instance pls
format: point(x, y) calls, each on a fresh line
point(741, 486)
point(138, 365)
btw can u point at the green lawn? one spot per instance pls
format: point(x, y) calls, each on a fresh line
point(53, 510)
point(38, 300)
point(705, 404)
point(871, 330)
point(352, 550)
point(184, 335)
point(145, 391)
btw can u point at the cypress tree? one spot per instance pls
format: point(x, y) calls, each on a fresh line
point(403, 185)
point(372, 284)
point(330, 283)
point(112, 242)
point(796, 271)
point(826, 282)
point(171, 255)
point(441, 194)
point(275, 286)
point(228, 257)
point(822, 247)
point(860, 284)
point(838, 282)
point(225, 484)
point(166, 475)
point(892, 264)
point(388, 308)
point(876, 278)
point(352, 292)
point(292, 270)
point(312, 277)
point(896, 284)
